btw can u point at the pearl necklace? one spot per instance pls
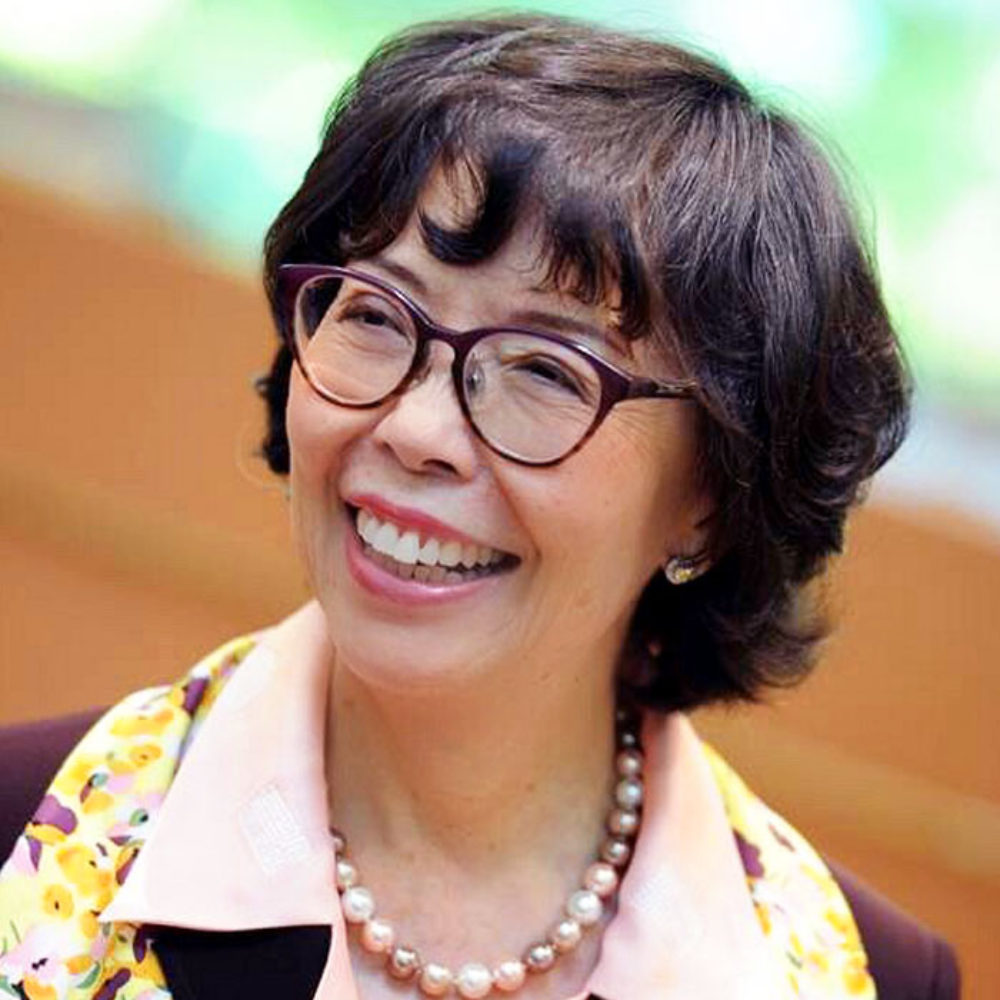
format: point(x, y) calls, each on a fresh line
point(583, 909)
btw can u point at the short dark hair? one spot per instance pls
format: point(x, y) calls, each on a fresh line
point(725, 234)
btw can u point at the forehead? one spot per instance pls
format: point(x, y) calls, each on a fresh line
point(451, 200)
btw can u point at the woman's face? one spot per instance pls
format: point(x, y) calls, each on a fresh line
point(580, 539)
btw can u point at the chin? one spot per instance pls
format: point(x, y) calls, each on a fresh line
point(405, 664)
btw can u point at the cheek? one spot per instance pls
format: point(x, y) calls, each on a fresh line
point(320, 436)
point(595, 559)
point(661, 449)
point(319, 433)
point(623, 506)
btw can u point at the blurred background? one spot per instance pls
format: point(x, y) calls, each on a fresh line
point(144, 147)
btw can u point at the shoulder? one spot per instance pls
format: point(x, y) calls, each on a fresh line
point(906, 959)
point(35, 754)
point(78, 845)
point(872, 939)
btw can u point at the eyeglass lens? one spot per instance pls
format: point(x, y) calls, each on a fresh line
point(528, 397)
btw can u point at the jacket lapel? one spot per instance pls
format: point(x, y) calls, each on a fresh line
point(282, 962)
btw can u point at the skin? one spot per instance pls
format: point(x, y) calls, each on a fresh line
point(470, 743)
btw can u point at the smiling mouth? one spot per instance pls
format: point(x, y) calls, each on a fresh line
point(416, 555)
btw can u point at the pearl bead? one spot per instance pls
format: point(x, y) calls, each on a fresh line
point(337, 838)
point(473, 981)
point(404, 962)
point(585, 907)
point(540, 957)
point(628, 793)
point(629, 763)
point(615, 851)
point(377, 936)
point(624, 822)
point(346, 874)
point(601, 878)
point(628, 740)
point(509, 976)
point(358, 904)
point(435, 979)
point(566, 935)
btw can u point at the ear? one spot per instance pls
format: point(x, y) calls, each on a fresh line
point(695, 556)
point(693, 539)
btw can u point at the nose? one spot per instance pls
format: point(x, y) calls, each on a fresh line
point(425, 427)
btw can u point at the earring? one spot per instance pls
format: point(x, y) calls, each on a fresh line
point(681, 569)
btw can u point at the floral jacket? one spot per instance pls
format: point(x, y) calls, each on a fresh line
point(89, 831)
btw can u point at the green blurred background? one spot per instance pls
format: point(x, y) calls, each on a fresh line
point(206, 112)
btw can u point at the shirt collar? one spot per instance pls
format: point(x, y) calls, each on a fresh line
point(242, 841)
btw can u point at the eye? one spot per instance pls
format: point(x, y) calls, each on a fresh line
point(373, 315)
point(548, 372)
point(368, 319)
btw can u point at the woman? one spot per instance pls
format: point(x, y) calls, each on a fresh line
point(582, 366)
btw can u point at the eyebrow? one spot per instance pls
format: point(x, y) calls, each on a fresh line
point(559, 324)
point(554, 322)
point(400, 271)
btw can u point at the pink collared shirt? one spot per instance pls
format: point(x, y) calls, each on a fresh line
point(242, 843)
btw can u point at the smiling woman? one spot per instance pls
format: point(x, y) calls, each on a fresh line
point(574, 543)
point(581, 365)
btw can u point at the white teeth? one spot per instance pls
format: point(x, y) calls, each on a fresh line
point(428, 554)
point(385, 539)
point(434, 556)
point(407, 548)
point(367, 526)
point(450, 554)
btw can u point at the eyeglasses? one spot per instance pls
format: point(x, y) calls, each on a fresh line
point(532, 396)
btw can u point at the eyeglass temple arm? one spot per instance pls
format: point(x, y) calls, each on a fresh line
point(649, 388)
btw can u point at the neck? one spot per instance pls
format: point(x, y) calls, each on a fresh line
point(472, 812)
point(474, 776)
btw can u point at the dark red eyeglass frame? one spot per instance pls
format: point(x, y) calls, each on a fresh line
point(616, 384)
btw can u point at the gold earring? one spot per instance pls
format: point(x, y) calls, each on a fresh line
point(681, 569)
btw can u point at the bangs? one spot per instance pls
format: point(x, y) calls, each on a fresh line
point(588, 249)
